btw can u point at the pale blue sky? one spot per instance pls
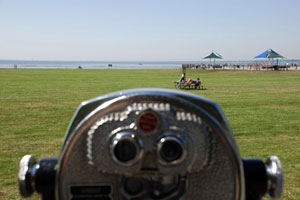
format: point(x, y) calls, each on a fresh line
point(147, 30)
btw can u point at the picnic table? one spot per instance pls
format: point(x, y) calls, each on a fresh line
point(186, 85)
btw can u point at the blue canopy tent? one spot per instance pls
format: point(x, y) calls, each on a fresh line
point(269, 54)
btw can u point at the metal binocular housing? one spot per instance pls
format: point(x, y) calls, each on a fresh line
point(150, 144)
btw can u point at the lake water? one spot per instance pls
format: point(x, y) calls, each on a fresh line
point(32, 64)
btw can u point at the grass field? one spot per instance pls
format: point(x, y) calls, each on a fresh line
point(36, 106)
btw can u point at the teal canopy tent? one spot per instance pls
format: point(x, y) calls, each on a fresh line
point(213, 55)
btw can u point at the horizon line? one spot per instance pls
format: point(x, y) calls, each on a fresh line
point(218, 60)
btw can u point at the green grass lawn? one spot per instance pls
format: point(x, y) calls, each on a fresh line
point(36, 106)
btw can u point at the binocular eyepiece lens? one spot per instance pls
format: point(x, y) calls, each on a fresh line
point(171, 150)
point(125, 148)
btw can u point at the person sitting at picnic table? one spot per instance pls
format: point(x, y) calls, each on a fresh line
point(190, 81)
point(182, 79)
point(197, 82)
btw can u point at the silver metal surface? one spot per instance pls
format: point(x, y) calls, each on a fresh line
point(87, 107)
point(26, 185)
point(211, 165)
point(275, 177)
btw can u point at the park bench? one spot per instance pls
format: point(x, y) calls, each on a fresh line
point(217, 67)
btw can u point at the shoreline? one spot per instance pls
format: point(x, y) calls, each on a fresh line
point(33, 64)
point(215, 67)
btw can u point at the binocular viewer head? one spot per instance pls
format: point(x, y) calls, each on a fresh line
point(150, 144)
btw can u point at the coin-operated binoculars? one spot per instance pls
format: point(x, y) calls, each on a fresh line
point(150, 144)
